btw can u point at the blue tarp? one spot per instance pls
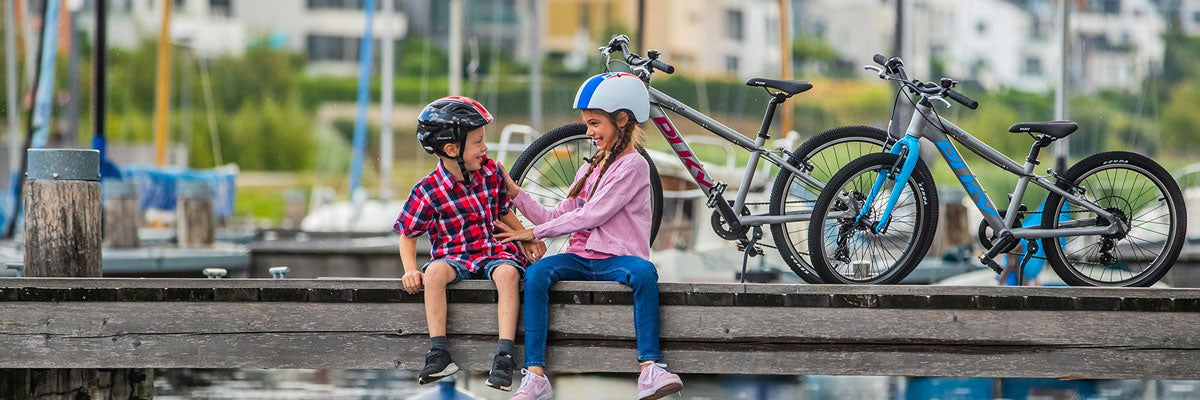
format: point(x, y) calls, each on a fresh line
point(156, 186)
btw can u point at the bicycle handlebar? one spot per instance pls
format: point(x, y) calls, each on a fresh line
point(962, 99)
point(621, 43)
point(893, 69)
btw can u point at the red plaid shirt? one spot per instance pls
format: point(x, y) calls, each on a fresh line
point(460, 219)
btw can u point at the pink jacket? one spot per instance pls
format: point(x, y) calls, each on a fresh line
point(618, 214)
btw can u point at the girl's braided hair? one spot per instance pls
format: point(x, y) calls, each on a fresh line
point(629, 135)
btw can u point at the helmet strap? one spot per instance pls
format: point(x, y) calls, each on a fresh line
point(462, 148)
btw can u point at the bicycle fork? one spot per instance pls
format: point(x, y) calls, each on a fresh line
point(909, 151)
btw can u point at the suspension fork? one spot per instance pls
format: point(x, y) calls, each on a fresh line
point(910, 149)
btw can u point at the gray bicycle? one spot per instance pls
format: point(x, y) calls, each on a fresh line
point(547, 167)
point(1113, 219)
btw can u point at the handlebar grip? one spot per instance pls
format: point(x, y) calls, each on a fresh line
point(662, 66)
point(879, 59)
point(962, 99)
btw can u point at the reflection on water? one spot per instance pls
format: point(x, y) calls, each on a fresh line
point(392, 384)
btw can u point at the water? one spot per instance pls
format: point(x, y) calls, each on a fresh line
point(393, 384)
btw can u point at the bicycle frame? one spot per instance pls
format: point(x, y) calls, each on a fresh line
point(660, 100)
point(919, 126)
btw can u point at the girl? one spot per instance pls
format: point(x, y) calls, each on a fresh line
point(607, 213)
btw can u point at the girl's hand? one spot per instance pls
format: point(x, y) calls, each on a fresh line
point(534, 249)
point(508, 235)
point(510, 186)
point(412, 281)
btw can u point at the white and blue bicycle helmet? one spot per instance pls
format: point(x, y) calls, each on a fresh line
point(612, 91)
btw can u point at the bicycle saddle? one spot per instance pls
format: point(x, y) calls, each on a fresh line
point(1056, 129)
point(790, 87)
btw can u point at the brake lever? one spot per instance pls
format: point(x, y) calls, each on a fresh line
point(939, 98)
point(876, 70)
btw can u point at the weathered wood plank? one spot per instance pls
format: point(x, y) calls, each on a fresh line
point(665, 287)
point(607, 322)
point(357, 350)
point(593, 338)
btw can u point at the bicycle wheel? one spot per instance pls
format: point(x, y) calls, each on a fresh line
point(825, 153)
point(547, 168)
point(846, 251)
point(1139, 192)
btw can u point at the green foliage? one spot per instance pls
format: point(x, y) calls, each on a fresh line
point(812, 49)
point(1180, 119)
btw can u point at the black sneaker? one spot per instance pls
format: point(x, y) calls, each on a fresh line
point(501, 375)
point(437, 366)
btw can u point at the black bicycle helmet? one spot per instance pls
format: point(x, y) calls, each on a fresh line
point(447, 120)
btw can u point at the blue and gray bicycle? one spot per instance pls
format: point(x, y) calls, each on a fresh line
point(1113, 219)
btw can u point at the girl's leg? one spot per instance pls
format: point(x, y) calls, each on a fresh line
point(640, 275)
point(539, 277)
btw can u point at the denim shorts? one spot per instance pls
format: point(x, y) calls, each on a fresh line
point(482, 273)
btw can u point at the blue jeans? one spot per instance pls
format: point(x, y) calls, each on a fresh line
point(635, 272)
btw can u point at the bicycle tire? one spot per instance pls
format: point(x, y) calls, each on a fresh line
point(577, 133)
point(925, 204)
point(1078, 175)
point(795, 252)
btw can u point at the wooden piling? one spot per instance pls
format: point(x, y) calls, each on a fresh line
point(194, 214)
point(122, 217)
point(62, 213)
point(62, 239)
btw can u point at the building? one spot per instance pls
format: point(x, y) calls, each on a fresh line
point(327, 31)
point(700, 38)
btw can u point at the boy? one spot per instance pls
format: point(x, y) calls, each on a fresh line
point(458, 203)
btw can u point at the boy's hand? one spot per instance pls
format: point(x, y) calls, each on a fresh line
point(534, 249)
point(412, 281)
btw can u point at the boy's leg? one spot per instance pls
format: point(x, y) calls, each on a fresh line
point(438, 364)
point(506, 276)
point(437, 275)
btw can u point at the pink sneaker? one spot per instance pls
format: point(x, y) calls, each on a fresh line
point(656, 382)
point(533, 387)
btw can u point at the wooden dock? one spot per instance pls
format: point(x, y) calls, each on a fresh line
point(707, 328)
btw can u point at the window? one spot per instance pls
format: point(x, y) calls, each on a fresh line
point(585, 16)
point(179, 6)
point(1106, 6)
point(341, 4)
point(1196, 17)
point(220, 8)
point(731, 63)
point(773, 31)
point(733, 24)
point(981, 27)
point(332, 48)
point(1033, 66)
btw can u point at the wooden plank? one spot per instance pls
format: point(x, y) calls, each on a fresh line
point(665, 287)
point(357, 350)
point(594, 338)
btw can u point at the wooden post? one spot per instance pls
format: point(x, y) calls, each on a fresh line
point(194, 214)
point(122, 217)
point(62, 238)
point(62, 206)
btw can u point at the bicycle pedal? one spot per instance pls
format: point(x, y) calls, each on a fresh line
point(990, 263)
